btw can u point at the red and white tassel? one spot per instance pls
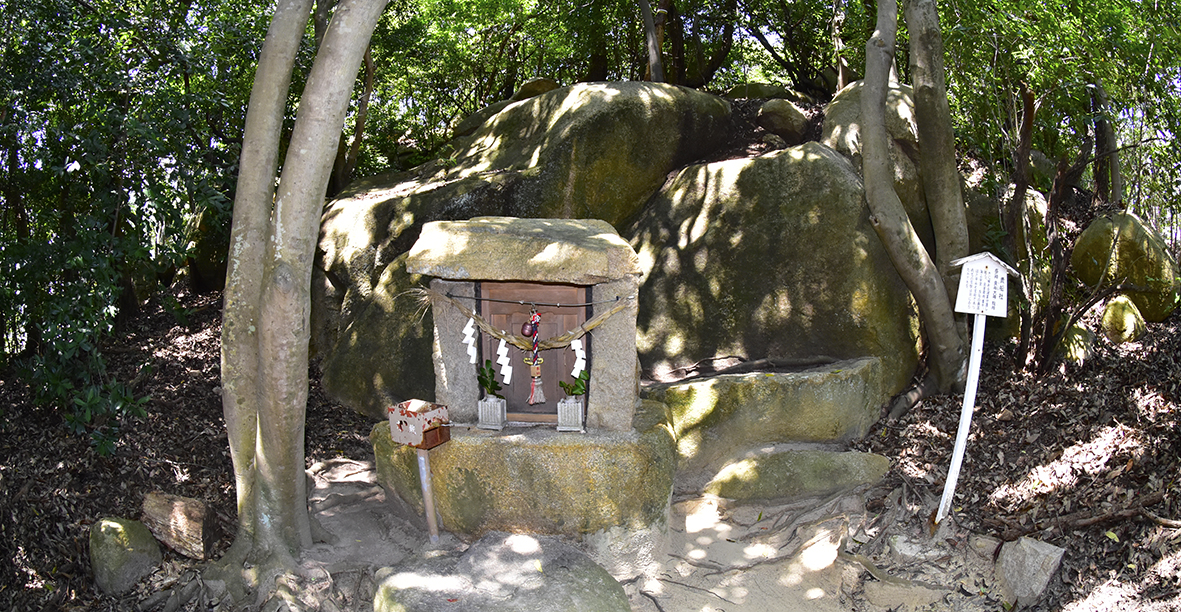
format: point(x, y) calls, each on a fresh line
point(536, 395)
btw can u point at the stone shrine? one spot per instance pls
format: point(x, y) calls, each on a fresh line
point(502, 268)
point(609, 486)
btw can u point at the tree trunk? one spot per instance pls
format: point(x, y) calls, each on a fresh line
point(346, 154)
point(1016, 224)
point(655, 69)
point(941, 178)
point(1109, 184)
point(844, 73)
point(914, 265)
point(265, 319)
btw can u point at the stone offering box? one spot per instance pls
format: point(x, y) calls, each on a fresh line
point(419, 424)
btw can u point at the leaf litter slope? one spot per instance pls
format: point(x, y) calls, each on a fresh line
point(1086, 458)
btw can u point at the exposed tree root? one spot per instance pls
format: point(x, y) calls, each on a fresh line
point(906, 400)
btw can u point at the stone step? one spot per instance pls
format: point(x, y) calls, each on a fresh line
point(714, 419)
point(792, 471)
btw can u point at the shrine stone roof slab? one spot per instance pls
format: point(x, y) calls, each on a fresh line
point(572, 251)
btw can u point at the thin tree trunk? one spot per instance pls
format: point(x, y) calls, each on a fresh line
point(1109, 184)
point(844, 73)
point(1016, 224)
point(941, 178)
point(346, 156)
point(655, 69)
point(914, 265)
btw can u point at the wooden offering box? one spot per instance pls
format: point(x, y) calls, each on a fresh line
point(419, 424)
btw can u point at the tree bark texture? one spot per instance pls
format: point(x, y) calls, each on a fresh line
point(914, 265)
point(182, 523)
point(251, 225)
point(941, 178)
point(265, 324)
point(655, 69)
point(1109, 183)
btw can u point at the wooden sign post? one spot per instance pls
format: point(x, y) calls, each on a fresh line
point(983, 292)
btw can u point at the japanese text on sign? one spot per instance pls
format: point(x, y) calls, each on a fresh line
point(983, 290)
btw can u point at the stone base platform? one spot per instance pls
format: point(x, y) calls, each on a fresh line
point(537, 480)
point(741, 437)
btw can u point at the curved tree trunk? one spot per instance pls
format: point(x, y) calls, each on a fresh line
point(914, 265)
point(265, 321)
point(941, 178)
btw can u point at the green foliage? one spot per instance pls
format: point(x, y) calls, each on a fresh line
point(120, 124)
point(487, 377)
point(578, 387)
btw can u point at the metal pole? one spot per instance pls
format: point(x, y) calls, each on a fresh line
point(428, 494)
point(961, 436)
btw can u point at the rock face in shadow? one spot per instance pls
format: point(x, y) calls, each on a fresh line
point(774, 257)
point(594, 150)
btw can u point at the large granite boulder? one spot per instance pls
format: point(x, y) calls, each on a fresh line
point(593, 150)
point(842, 132)
point(1139, 258)
point(769, 257)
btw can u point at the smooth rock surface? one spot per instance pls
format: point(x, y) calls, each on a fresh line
point(500, 573)
point(784, 119)
point(1024, 568)
point(788, 474)
point(122, 552)
point(1122, 321)
point(716, 418)
point(571, 251)
point(770, 257)
point(1140, 258)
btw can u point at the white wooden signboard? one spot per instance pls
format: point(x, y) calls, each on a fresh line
point(983, 292)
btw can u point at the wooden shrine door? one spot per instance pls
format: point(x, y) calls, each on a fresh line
point(508, 314)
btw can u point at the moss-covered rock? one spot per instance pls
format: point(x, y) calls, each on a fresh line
point(540, 482)
point(1122, 321)
point(720, 417)
point(769, 257)
point(122, 552)
point(1140, 258)
point(786, 474)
